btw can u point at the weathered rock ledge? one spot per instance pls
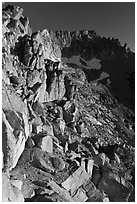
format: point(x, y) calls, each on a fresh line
point(67, 132)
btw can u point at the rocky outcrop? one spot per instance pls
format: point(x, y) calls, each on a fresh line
point(65, 135)
point(15, 127)
point(117, 189)
point(98, 55)
point(11, 191)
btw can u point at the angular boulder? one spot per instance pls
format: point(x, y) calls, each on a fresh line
point(17, 183)
point(57, 163)
point(10, 193)
point(12, 145)
point(46, 144)
point(96, 196)
point(77, 179)
point(100, 159)
point(41, 160)
point(15, 127)
point(80, 196)
point(112, 186)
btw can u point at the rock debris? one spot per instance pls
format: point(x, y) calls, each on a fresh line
point(67, 115)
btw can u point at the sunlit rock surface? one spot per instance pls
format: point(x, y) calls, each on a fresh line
point(68, 132)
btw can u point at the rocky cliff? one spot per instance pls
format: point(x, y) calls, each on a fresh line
point(67, 115)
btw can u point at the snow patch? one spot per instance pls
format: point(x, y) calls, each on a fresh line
point(94, 64)
point(91, 64)
point(73, 60)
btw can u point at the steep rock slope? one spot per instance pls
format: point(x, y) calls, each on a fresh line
point(65, 136)
point(102, 59)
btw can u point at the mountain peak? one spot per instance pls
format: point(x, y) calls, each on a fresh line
point(67, 115)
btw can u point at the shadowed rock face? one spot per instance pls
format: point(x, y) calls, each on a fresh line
point(65, 100)
point(95, 55)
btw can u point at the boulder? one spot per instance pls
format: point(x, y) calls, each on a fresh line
point(33, 78)
point(117, 159)
point(63, 193)
point(90, 166)
point(47, 128)
point(73, 182)
point(80, 127)
point(38, 108)
point(89, 186)
point(96, 175)
point(68, 112)
point(39, 128)
point(57, 131)
point(16, 128)
point(41, 160)
point(105, 199)
point(17, 183)
point(13, 144)
point(59, 113)
point(11, 101)
point(95, 196)
point(92, 191)
point(36, 121)
point(57, 163)
point(32, 194)
point(80, 196)
point(30, 143)
point(100, 159)
point(42, 191)
point(61, 125)
point(10, 193)
point(111, 185)
point(73, 146)
point(46, 144)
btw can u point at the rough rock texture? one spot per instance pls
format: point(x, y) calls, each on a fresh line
point(15, 126)
point(76, 180)
point(11, 192)
point(67, 115)
point(115, 187)
point(102, 59)
point(46, 144)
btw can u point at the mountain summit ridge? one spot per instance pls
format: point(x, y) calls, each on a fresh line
point(68, 131)
point(94, 54)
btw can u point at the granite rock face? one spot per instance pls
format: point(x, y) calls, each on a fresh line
point(102, 59)
point(10, 191)
point(68, 134)
point(15, 126)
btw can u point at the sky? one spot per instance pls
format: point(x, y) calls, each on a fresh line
point(109, 19)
